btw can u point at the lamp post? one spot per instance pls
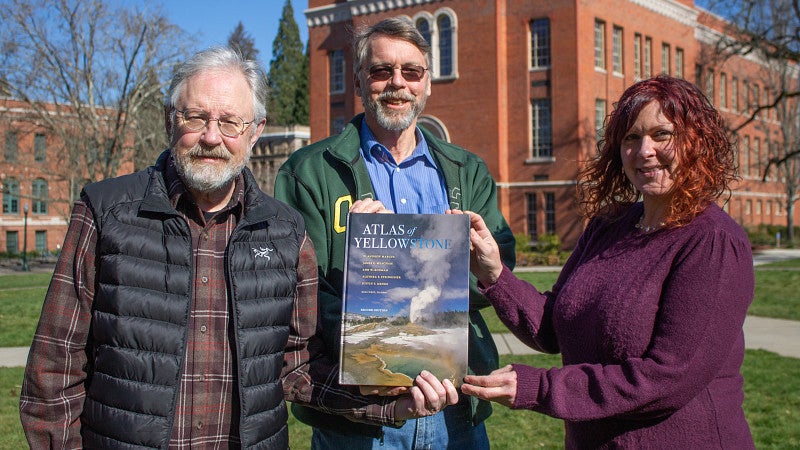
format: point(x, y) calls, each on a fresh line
point(25, 267)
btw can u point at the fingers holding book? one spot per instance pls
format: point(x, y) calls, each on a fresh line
point(427, 397)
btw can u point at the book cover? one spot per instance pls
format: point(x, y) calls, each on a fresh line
point(406, 298)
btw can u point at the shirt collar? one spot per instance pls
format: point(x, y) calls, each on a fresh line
point(369, 142)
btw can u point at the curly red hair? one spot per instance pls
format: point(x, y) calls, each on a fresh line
point(705, 154)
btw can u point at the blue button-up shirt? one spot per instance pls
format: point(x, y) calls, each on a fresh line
point(415, 186)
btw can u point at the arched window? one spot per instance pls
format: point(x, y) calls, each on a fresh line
point(435, 126)
point(445, 46)
point(424, 29)
point(11, 196)
point(440, 30)
point(39, 196)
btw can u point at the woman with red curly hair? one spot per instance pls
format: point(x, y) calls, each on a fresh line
point(647, 313)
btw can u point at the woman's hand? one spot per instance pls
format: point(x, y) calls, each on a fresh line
point(485, 260)
point(499, 386)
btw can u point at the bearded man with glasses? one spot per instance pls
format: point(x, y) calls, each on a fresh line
point(183, 308)
point(382, 162)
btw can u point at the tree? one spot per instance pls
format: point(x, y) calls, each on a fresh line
point(288, 74)
point(241, 41)
point(769, 31)
point(86, 70)
point(149, 134)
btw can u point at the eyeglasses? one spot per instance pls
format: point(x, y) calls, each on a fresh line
point(383, 72)
point(229, 125)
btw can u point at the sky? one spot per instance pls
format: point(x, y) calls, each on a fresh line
point(211, 22)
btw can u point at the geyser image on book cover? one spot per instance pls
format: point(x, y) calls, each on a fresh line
point(406, 298)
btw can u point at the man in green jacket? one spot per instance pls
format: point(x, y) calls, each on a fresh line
point(383, 162)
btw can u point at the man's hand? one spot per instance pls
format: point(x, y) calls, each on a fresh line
point(427, 397)
point(499, 386)
point(369, 205)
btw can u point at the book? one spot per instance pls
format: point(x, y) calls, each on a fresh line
point(405, 298)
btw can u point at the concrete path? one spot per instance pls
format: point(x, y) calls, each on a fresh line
point(774, 335)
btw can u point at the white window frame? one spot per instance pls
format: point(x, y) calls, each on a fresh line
point(436, 41)
point(617, 50)
point(599, 45)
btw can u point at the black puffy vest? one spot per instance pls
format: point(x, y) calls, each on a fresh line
point(141, 311)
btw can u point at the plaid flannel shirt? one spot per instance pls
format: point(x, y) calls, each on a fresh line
point(206, 415)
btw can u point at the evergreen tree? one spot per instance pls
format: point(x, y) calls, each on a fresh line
point(241, 41)
point(288, 74)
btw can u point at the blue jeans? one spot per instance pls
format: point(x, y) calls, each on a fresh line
point(450, 429)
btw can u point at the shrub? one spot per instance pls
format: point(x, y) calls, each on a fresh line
point(546, 251)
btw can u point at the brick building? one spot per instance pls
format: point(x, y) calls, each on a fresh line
point(32, 176)
point(527, 84)
point(31, 180)
point(272, 149)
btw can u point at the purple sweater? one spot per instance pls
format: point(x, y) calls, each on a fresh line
point(650, 332)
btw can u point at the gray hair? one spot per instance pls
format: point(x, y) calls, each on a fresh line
point(396, 27)
point(227, 59)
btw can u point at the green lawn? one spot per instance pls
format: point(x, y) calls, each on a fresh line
point(772, 387)
point(772, 406)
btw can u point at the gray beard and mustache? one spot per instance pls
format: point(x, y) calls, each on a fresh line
point(199, 177)
point(389, 119)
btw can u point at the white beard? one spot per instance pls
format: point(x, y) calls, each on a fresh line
point(203, 178)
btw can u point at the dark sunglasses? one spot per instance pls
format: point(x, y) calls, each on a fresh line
point(383, 72)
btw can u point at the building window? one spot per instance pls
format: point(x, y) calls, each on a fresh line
point(337, 125)
point(599, 118)
point(39, 196)
point(616, 50)
point(336, 62)
point(748, 207)
point(424, 28)
point(445, 45)
point(542, 128)
point(746, 157)
point(637, 56)
point(550, 213)
point(679, 62)
point(648, 57)
point(12, 242)
point(746, 92)
point(758, 207)
point(723, 90)
point(530, 198)
point(599, 45)
point(12, 151)
point(441, 32)
point(757, 156)
point(768, 208)
point(709, 85)
point(41, 241)
point(755, 98)
point(540, 43)
point(735, 94)
point(665, 58)
point(39, 149)
point(11, 196)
